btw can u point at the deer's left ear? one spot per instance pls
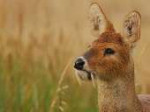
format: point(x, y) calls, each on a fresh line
point(131, 27)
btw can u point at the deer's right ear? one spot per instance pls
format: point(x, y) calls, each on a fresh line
point(98, 21)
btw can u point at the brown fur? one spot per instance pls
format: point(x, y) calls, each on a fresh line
point(115, 73)
point(108, 65)
point(116, 89)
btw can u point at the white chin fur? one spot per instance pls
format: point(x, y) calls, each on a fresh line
point(82, 74)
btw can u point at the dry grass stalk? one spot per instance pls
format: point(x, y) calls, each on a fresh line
point(59, 88)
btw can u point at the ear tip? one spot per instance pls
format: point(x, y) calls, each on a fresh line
point(135, 12)
point(94, 5)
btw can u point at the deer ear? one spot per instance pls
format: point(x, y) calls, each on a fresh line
point(98, 21)
point(131, 27)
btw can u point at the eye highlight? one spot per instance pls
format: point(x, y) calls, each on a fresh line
point(109, 51)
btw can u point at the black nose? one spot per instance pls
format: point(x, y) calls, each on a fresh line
point(79, 64)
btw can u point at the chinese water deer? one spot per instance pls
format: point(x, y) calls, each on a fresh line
point(109, 61)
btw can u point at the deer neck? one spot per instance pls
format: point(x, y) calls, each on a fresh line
point(118, 95)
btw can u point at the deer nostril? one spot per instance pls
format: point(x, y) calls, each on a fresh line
point(79, 64)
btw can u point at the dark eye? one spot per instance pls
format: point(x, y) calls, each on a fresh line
point(109, 51)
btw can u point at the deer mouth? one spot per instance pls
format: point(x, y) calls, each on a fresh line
point(85, 74)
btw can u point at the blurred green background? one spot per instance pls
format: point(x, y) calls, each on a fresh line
point(40, 39)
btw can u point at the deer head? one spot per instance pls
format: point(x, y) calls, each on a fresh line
point(108, 57)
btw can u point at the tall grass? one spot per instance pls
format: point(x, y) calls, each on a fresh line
point(37, 41)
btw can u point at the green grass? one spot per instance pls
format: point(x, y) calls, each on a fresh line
point(33, 89)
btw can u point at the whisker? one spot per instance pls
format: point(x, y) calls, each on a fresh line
point(93, 80)
point(77, 78)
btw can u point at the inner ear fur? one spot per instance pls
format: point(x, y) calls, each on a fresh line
point(132, 27)
point(98, 20)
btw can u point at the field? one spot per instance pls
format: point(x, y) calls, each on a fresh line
point(39, 41)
